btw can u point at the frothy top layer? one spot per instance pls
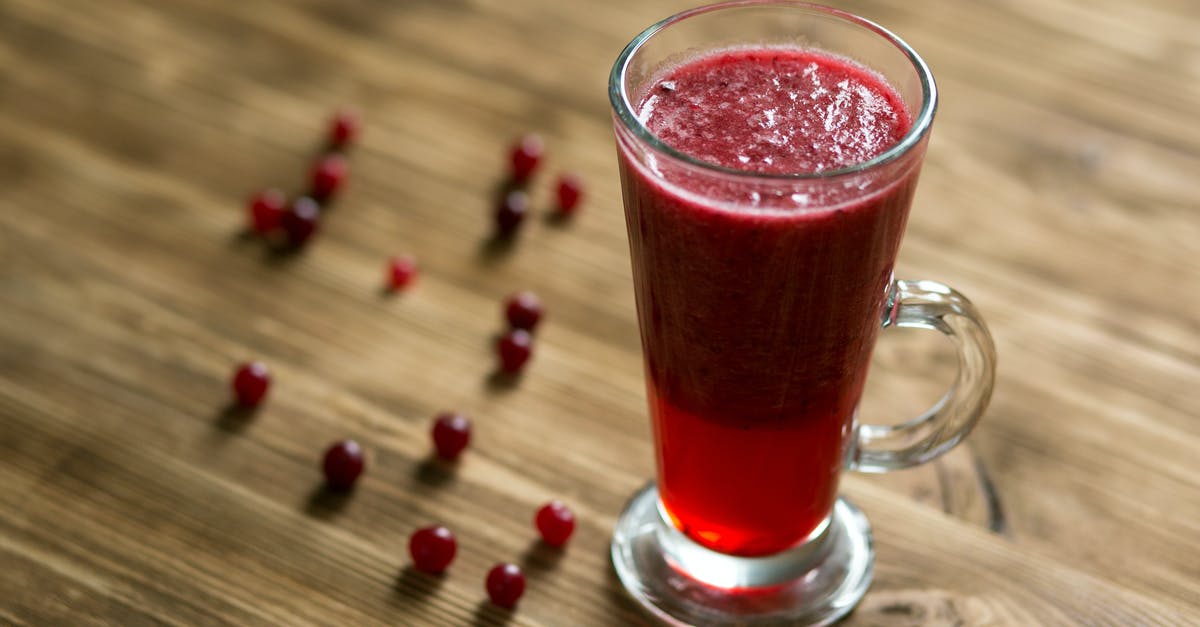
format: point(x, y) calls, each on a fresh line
point(775, 110)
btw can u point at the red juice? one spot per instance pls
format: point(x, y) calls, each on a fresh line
point(759, 308)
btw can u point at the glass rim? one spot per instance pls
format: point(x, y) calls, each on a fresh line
point(619, 97)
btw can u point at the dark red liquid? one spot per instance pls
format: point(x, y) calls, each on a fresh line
point(758, 311)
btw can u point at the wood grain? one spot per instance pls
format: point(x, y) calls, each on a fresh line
point(1059, 193)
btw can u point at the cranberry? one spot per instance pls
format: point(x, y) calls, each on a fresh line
point(250, 383)
point(432, 549)
point(524, 311)
point(402, 271)
point(515, 349)
point(505, 584)
point(511, 212)
point(266, 209)
point(343, 464)
point(451, 434)
point(555, 522)
point(570, 191)
point(526, 155)
point(345, 127)
point(328, 175)
point(300, 221)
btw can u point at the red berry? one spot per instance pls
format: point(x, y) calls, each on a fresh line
point(250, 383)
point(343, 464)
point(432, 549)
point(555, 522)
point(402, 271)
point(524, 311)
point(505, 584)
point(526, 155)
point(511, 212)
point(300, 221)
point(345, 127)
point(327, 176)
point(570, 192)
point(515, 349)
point(451, 434)
point(266, 209)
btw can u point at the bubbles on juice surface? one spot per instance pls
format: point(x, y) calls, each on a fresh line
point(775, 110)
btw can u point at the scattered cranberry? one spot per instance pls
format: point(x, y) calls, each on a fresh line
point(570, 191)
point(345, 127)
point(343, 464)
point(511, 212)
point(514, 348)
point(251, 383)
point(505, 584)
point(300, 221)
point(432, 549)
point(451, 434)
point(526, 155)
point(402, 271)
point(328, 175)
point(524, 311)
point(266, 209)
point(555, 522)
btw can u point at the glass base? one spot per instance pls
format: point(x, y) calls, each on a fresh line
point(683, 583)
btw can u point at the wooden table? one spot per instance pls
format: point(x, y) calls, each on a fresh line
point(1061, 193)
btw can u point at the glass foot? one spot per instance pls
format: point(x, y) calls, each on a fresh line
point(683, 583)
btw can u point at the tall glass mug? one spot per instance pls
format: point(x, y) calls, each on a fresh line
point(759, 299)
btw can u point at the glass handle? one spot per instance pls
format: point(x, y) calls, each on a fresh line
point(932, 305)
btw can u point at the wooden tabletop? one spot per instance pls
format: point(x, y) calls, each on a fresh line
point(1061, 192)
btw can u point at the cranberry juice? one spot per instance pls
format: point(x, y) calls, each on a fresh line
point(758, 308)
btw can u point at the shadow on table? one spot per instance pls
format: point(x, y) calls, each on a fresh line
point(488, 613)
point(234, 418)
point(387, 292)
point(273, 250)
point(282, 254)
point(243, 237)
point(434, 471)
point(500, 382)
point(540, 557)
point(495, 248)
point(325, 502)
point(557, 219)
point(412, 583)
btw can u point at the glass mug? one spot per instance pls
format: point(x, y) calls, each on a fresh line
point(759, 299)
